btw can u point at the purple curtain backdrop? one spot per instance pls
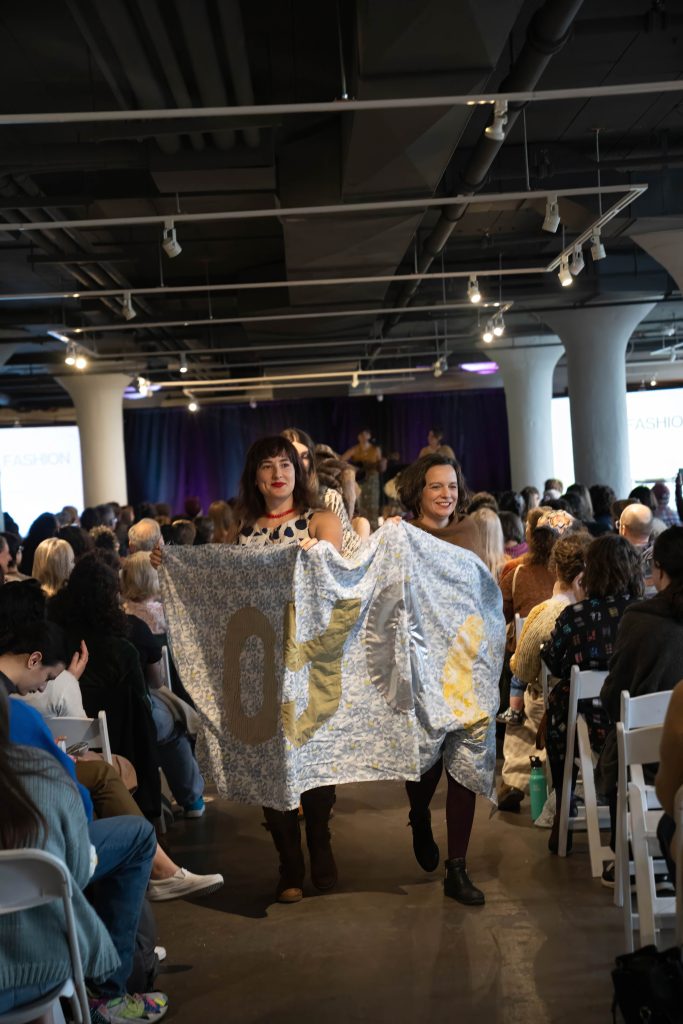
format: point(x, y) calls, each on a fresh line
point(172, 453)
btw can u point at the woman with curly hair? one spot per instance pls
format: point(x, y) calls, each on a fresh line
point(585, 635)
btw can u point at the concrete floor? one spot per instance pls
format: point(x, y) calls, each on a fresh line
point(387, 945)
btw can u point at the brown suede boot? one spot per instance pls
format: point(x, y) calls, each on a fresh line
point(286, 832)
point(317, 804)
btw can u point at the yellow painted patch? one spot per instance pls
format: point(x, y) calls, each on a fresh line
point(457, 676)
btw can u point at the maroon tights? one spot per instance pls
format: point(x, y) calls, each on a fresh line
point(459, 807)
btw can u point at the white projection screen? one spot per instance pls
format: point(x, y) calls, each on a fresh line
point(655, 434)
point(40, 471)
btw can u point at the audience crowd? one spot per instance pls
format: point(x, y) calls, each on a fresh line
point(598, 579)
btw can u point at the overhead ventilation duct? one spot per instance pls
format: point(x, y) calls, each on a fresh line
point(547, 33)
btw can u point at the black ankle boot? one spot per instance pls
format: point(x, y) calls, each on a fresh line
point(458, 886)
point(285, 830)
point(317, 805)
point(425, 849)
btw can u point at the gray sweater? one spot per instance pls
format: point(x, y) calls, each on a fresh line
point(33, 944)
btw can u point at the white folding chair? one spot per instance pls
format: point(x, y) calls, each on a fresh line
point(32, 878)
point(678, 858)
point(634, 713)
point(519, 626)
point(583, 686)
point(76, 730)
point(654, 912)
point(166, 667)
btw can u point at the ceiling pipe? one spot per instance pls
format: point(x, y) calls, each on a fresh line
point(426, 202)
point(342, 107)
point(547, 33)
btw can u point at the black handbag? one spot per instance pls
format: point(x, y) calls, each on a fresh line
point(648, 986)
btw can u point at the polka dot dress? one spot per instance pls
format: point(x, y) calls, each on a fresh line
point(290, 532)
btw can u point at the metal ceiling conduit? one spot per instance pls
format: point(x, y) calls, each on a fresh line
point(547, 33)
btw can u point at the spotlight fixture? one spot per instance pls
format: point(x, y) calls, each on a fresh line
point(192, 406)
point(81, 362)
point(496, 130)
point(354, 379)
point(380, 398)
point(253, 404)
point(440, 366)
point(564, 273)
point(498, 325)
point(128, 312)
point(70, 357)
point(576, 264)
point(473, 293)
point(143, 387)
point(169, 242)
point(183, 365)
point(597, 248)
point(487, 336)
point(551, 221)
point(653, 380)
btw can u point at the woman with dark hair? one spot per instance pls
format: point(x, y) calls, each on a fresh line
point(276, 506)
point(40, 529)
point(10, 557)
point(530, 581)
point(513, 535)
point(434, 491)
point(80, 540)
point(220, 514)
point(367, 455)
point(585, 635)
point(603, 498)
point(645, 496)
point(532, 499)
point(330, 497)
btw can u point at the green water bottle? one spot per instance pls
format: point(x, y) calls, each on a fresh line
point(538, 787)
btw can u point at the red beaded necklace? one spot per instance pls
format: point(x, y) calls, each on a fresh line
point(279, 515)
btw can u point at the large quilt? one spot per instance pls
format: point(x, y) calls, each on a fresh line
point(308, 669)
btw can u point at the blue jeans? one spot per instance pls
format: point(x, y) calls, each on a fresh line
point(125, 848)
point(176, 756)
point(517, 687)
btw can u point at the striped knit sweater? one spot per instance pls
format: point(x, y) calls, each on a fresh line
point(33, 942)
point(525, 663)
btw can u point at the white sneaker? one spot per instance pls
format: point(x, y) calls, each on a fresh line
point(183, 883)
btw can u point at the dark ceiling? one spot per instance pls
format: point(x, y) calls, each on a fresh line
point(127, 55)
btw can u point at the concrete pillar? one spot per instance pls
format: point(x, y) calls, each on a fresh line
point(595, 340)
point(98, 399)
point(6, 352)
point(665, 246)
point(527, 373)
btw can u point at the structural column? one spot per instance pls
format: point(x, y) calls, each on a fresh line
point(665, 246)
point(527, 374)
point(6, 352)
point(98, 399)
point(595, 340)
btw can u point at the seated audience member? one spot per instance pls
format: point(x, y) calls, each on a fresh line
point(42, 808)
point(580, 505)
point(80, 540)
point(163, 509)
point(140, 591)
point(513, 535)
point(435, 444)
point(88, 609)
point(670, 774)
point(662, 496)
point(532, 581)
point(492, 541)
point(221, 516)
point(482, 499)
point(193, 508)
point(648, 654)
point(10, 557)
point(603, 498)
point(40, 529)
point(204, 527)
point(52, 564)
point(618, 507)
point(526, 709)
point(90, 517)
point(145, 510)
point(511, 501)
point(553, 484)
point(183, 533)
point(645, 496)
point(107, 514)
point(144, 535)
point(105, 539)
point(585, 635)
point(125, 521)
point(532, 499)
point(635, 523)
point(70, 515)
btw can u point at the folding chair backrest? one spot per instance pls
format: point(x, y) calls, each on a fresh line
point(519, 626)
point(678, 858)
point(641, 746)
point(587, 684)
point(31, 878)
point(648, 709)
point(166, 667)
point(76, 730)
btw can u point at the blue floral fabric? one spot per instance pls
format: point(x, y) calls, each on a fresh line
point(310, 670)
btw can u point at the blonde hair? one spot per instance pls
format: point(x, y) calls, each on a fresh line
point(492, 540)
point(139, 580)
point(52, 564)
point(222, 518)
